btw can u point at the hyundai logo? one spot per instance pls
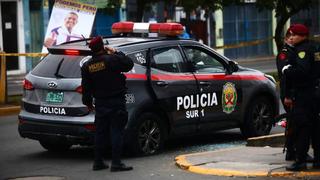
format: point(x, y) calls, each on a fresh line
point(52, 84)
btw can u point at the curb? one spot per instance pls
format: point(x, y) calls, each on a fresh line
point(9, 110)
point(274, 140)
point(193, 163)
point(182, 162)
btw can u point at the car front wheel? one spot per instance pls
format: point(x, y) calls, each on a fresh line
point(258, 118)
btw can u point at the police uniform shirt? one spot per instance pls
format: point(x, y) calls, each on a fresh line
point(284, 58)
point(300, 73)
point(102, 76)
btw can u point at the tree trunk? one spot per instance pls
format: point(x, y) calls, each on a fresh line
point(278, 34)
point(140, 10)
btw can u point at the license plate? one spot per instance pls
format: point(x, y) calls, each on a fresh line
point(54, 97)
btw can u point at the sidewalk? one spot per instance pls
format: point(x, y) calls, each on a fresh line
point(242, 161)
point(7, 109)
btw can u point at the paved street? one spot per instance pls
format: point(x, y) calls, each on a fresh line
point(24, 158)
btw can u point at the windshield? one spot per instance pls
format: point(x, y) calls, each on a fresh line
point(59, 66)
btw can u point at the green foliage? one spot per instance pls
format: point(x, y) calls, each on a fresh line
point(284, 9)
point(106, 6)
point(209, 5)
point(111, 6)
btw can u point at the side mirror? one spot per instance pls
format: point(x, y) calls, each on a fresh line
point(233, 66)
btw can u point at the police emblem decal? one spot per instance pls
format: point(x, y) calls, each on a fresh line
point(302, 54)
point(229, 97)
point(282, 56)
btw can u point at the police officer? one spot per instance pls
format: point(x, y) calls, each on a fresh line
point(102, 79)
point(286, 54)
point(316, 124)
point(300, 76)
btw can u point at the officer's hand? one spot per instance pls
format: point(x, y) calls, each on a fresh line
point(110, 50)
point(285, 68)
point(288, 102)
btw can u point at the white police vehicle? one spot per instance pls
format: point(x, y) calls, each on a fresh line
point(177, 87)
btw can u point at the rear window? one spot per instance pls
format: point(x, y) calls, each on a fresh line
point(59, 66)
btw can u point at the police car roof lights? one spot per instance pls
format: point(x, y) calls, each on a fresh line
point(169, 29)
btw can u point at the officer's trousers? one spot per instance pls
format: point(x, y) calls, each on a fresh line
point(110, 120)
point(290, 141)
point(305, 120)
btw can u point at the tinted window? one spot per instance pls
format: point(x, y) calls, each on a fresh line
point(203, 61)
point(168, 59)
point(49, 66)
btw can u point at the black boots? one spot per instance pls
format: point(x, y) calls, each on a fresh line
point(120, 167)
point(99, 165)
point(290, 156)
point(297, 166)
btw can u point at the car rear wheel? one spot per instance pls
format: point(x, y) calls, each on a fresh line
point(55, 146)
point(148, 137)
point(258, 118)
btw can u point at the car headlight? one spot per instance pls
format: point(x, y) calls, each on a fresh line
point(271, 78)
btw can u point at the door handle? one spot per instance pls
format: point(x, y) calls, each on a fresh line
point(205, 83)
point(162, 83)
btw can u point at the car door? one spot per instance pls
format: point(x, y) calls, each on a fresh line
point(175, 88)
point(219, 89)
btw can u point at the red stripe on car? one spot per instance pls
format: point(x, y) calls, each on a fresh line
point(186, 77)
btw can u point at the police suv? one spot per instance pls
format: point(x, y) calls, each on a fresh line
point(177, 87)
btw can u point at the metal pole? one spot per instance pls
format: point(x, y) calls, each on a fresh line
point(3, 80)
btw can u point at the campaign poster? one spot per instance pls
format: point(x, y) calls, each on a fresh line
point(70, 20)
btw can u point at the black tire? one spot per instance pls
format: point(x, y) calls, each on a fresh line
point(258, 118)
point(55, 146)
point(148, 136)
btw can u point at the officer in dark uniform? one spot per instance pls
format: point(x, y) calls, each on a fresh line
point(300, 76)
point(316, 125)
point(286, 54)
point(102, 79)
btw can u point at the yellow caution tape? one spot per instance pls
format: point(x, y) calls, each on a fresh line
point(243, 44)
point(24, 54)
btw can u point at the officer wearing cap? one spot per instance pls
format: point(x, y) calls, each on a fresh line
point(284, 58)
point(299, 75)
point(102, 79)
